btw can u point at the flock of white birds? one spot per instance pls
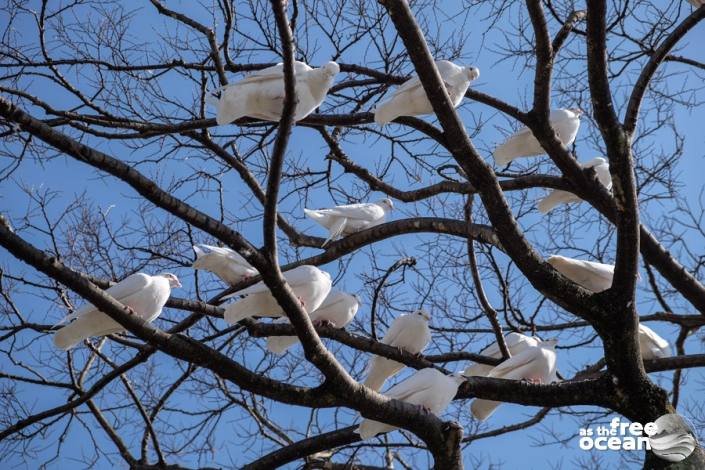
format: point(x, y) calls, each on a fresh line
point(261, 96)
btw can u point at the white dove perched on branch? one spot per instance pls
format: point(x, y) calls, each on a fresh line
point(516, 343)
point(338, 310)
point(557, 196)
point(225, 263)
point(596, 277)
point(534, 363)
point(310, 285)
point(651, 345)
point(146, 295)
point(261, 94)
point(409, 332)
point(351, 218)
point(410, 98)
point(428, 388)
point(523, 143)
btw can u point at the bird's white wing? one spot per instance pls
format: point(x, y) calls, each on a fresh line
point(420, 381)
point(366, 211)
point(226, 252)
point(275, 72)
point(293, 277)
point(604, 271)
point(654, 337)
point(120, 291)
point(331, 303)
point(557, 115)
point(253, 289)
point(301, 275)
point(515, 362)
point(511, 340)
point(395, 330)
point(445, 69)
point(408, 86)
point(521, 133)
point(335, 230)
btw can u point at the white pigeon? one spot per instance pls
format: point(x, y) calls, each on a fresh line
point(557, 196)
point(144, 294)
point(409, 332)
point(225, 263)
point(651, 345)
point(345, 220)
point(338, 310)
point(310, 285)
point(596, 277)
point(516, 343)
point(534, 363)
point(428, 388)
point(410, 98)
point(261, 94)
point(523, 143)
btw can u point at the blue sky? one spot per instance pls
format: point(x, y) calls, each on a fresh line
point(502, 79)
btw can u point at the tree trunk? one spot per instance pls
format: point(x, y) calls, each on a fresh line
point(695, 461)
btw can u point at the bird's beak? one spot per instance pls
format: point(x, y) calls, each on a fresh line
point(178, 284)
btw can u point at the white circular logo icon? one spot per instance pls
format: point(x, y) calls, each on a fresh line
point(673, 440)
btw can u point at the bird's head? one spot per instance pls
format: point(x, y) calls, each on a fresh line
point(173, 280)
point(331, 69)
point(473, 73)
point(577, 111)
point(423, 314)
point(387, 204)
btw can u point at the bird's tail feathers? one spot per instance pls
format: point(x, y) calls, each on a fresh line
point(502, 156)
point(212, 96)
point(483, 409)
point(280, 344)
point(200, 261)
point(384, 114)
point(381, 369)
point(230, 109)
point(239, 310)
point(258, 304)
point(548, 203)
point(85, 327)
point(369, 429)
point(313, 214)
point(335, 230)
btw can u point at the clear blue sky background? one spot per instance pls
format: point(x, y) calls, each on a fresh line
point(501, 79)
